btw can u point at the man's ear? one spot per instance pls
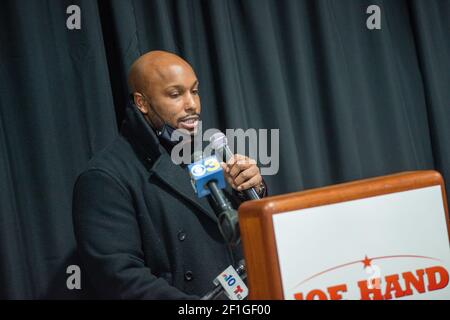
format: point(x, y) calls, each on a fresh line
point(140, 102)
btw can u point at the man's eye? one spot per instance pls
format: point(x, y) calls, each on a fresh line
point(195, 91)
point(174, 95)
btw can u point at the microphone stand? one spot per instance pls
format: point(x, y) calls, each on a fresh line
point(228, 217)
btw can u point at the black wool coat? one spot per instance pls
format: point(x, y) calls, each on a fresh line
point(141, 231)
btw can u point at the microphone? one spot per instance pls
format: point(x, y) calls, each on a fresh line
point(219, 143)
point(207, 179)
point(219, 289)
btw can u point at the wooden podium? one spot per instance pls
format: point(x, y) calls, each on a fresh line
point(257, 221)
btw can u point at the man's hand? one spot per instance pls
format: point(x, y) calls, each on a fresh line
point(242, 173)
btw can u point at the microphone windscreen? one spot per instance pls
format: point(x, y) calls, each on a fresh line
point(218, 141)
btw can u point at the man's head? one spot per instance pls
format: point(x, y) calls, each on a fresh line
point(165, 90)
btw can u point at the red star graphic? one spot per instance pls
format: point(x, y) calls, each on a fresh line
point(366, 262)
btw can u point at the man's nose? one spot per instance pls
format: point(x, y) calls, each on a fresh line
point(189, 103)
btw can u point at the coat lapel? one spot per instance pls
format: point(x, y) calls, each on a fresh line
point(177, 178)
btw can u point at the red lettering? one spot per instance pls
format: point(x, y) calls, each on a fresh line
point(238, 290)
point(432, 282)
point(298, 296)
point(366, 293)
point(319, 294)
point(335, 292)
point(417, 283)
point(393, 285)
point(311, 295)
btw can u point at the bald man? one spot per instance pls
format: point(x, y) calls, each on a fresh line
point(141, 231)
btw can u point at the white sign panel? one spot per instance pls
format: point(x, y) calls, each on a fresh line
point(393, 246)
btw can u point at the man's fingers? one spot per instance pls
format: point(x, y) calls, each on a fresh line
point(235, 158)
point(253, 182)
point(241, 171)
point(237, 168)
point(241, 163)
point(231, 162)
point(246, 175)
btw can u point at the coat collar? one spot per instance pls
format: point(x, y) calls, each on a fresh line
point(156, 159)
point(140, 135)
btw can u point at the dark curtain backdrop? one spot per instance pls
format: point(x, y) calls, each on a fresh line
point(350, 103)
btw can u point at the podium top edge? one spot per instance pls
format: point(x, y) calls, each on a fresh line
point(347, 191)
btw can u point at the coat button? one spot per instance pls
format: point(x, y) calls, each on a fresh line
point(188, 275)
point(181, 236)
